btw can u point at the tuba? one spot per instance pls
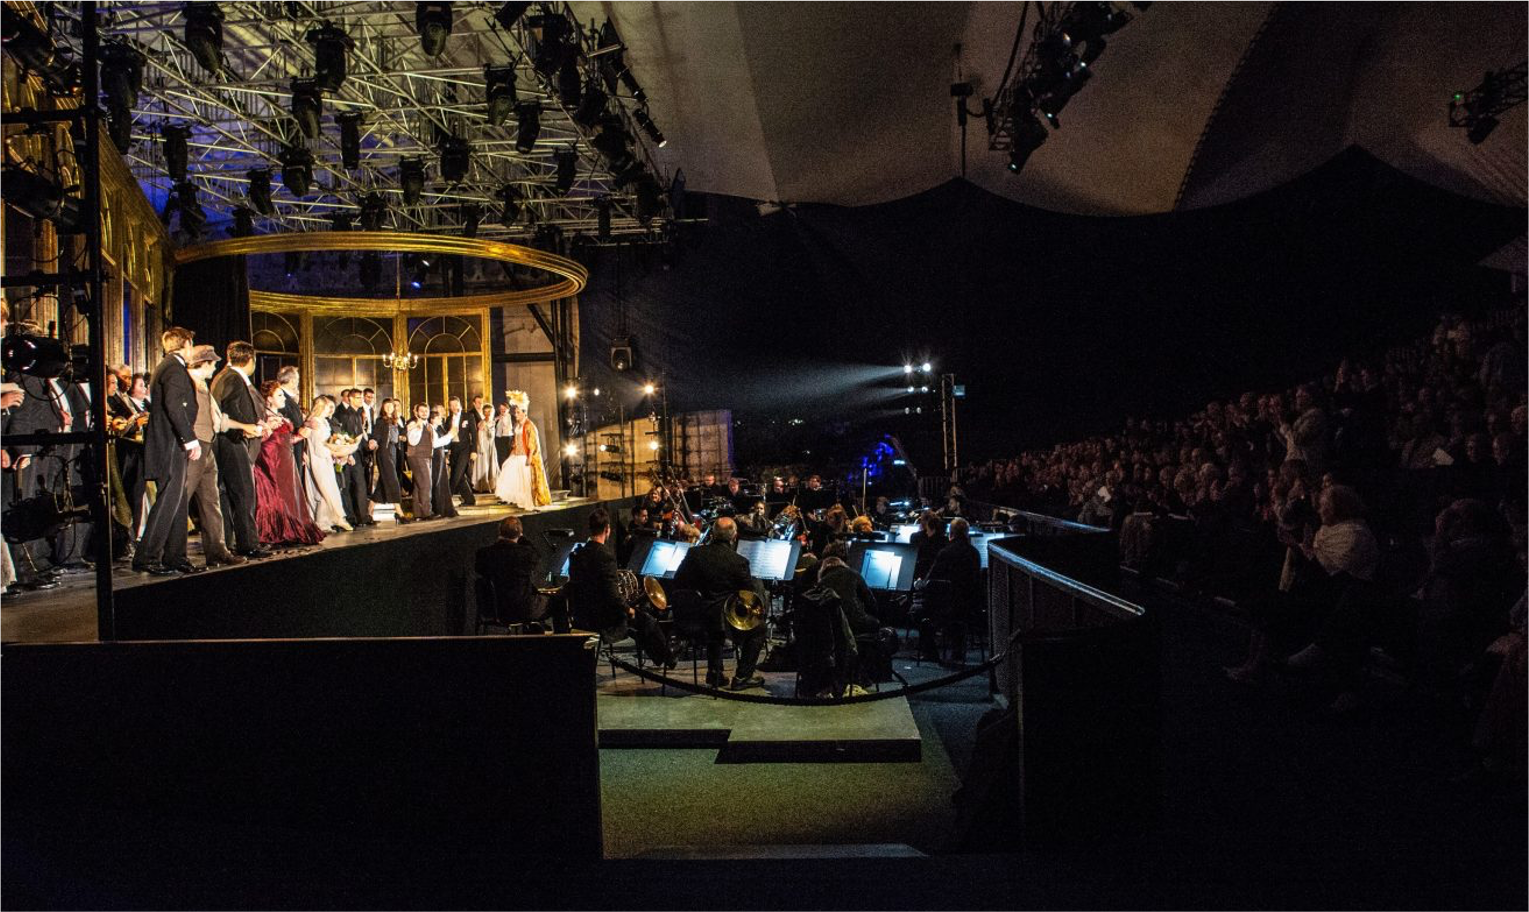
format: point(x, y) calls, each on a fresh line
point(744, 610)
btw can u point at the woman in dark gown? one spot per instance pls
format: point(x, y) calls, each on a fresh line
point(385, 434)
point(281, 513)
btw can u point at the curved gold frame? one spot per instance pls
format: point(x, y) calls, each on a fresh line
point(573, 276)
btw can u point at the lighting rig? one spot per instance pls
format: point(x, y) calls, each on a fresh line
point(1067, 40)
point(1476, 110)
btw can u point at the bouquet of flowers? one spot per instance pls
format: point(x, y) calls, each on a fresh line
point(341, 441)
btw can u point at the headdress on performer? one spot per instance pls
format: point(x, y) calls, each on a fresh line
point(519, 399)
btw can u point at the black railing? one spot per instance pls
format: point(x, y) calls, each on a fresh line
point(1082, 676)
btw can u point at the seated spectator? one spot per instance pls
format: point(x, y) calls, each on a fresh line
point(1472, 580)
point(1342, 550)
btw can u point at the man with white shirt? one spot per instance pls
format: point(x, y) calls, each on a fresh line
point(238, 447)
point(202, 475)
point(422, 438)
point(170, 445)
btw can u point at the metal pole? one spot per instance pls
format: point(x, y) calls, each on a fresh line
point(100, 500)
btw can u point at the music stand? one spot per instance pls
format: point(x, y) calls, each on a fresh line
point(885, 566)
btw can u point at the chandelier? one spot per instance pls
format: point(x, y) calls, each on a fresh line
point(400, 361)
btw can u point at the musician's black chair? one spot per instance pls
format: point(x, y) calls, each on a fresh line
point(825, 645)
point(495, 612)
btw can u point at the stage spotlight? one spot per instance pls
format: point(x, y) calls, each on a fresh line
point(508, 14)
point(567, 168)
point(649, 127)
point(926, 367)
point(528, 125)
point(591, 106)
point(499, 89)
point(613, 66)
point(649, 199)
point(907, 368)
point(509, 211)
point(649, 388)
point(307, 106)
point(923, 389)
point(341, 220)
point(621, 356)
point(1062, 91)
point(571, 450)
point(653, 445)
point(411, 180)
point(552, 32)
point(603, 218)
point(456, 159)
point(41, 198)
point(297, 170)
point(571, 391)
point(569, 81)
point(373, 210)
point(259, 192)
point(33, 48)
point(350, 139)
point(330, 47)
point(910, 389)
point(471, 214)
point(1028, 135)
point(613, 142)
point(175, 142)
point(432, 22)
point(121, 74)
point(204, 34)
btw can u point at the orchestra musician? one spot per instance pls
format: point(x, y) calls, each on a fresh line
point(835, 526)
point(595, 591)
point(716, 570)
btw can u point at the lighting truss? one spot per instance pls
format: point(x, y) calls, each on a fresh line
point(240, 118)
point(1477, 110)
point(1009, 115)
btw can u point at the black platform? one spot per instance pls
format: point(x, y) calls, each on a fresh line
point(414, 580)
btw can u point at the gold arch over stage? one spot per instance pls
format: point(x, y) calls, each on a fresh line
point(325, 337)
point(572, 276)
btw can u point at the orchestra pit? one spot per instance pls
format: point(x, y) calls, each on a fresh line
point(763, 455)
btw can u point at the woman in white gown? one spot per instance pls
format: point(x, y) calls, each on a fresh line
point(522, 478)
point(323, 453)
point(486, 466)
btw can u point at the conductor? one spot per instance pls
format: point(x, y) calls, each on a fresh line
point(716, 570)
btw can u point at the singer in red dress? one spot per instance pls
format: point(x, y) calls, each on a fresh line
point(281, 514)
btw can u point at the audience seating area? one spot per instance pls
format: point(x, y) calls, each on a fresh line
point(1416, 454)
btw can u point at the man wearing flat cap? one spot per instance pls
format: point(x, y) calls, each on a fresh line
point(202, 474)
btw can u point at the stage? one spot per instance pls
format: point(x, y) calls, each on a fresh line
point(385, 580)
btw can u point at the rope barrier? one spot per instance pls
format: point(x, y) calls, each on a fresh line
point(991, 663)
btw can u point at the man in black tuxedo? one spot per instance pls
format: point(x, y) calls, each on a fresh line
point(237, 448)
point(717, 571)
point(595, 592)
point(353, 486)
point(440, 471)
point(169, 444)
point(464, 449)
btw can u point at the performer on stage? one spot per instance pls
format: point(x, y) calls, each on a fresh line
point(523, 478)
point(281, 508)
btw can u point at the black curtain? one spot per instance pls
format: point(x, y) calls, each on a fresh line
point(212, 298)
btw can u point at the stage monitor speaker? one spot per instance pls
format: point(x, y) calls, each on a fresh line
point(623, 356)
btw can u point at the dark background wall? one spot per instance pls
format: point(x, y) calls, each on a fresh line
point(1059, 325)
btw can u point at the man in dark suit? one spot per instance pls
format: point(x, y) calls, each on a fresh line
point(464, 449)
point(959, 564)
point(353, 485)
point(440, 471)
point(509, 565)
point(289, 377)
point(717, 571)
point(595, 592)
point(170, 443)
point(238, 446)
